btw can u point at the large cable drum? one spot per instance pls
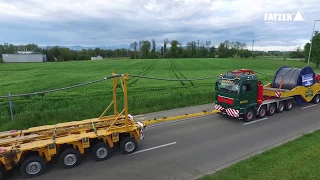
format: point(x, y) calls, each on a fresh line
point(293, 77)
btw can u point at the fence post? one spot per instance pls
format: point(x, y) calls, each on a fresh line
point(11, 107)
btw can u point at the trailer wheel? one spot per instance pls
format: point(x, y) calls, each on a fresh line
point(248, 116)
point(101, 151)
point(69, 158)
point(262, 112)
point(128, 145)
point(32, 167)
point(280, 107)
point(316, 99)
point(272, 109)
point(288, 105)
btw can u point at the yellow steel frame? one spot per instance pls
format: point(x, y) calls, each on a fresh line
point(307, 93)
point(46, 139)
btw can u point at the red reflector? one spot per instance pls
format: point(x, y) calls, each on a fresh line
point(230, 101)
point(225, 100)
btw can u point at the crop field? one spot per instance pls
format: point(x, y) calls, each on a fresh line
point(145, 95)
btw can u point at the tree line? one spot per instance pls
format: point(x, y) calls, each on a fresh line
point(194, 49)
point(138, 50)
point(57, 53)
point(146, 49)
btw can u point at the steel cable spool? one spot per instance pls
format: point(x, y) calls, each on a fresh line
point(292, 77)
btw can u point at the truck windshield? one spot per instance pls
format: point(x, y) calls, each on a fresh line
point(228, 86)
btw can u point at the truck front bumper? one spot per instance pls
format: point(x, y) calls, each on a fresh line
point(228, 111)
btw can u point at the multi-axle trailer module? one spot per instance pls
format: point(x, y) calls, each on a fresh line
point(31, 149)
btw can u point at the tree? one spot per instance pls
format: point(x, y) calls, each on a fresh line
point(153, 51)
point(244, 53)
point(165, 42)
point(134, 47)
point(212, 52)
point(315, 51)
point(174, 48)
point(146, 45)
point(297, 54)
point(1, 50)
point(140, 46)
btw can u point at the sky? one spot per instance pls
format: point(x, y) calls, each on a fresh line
point(118, 22)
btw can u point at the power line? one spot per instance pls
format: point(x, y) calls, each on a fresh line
point(110, 77)
point(60, 89)
point(168, 79)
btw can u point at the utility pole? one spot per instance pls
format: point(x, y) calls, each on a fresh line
point(314, 24)
point(252, 45)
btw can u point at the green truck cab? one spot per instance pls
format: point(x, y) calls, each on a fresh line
point(236, 93)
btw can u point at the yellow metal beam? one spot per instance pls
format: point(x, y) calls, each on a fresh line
point(125, 91)
point(173, 118)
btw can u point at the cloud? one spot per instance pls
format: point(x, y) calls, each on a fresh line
point(85, 22)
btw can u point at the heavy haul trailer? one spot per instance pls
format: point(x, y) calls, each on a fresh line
point(32, 148)
point(240, 94)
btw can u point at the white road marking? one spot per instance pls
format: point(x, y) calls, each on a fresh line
point(255, 121)
point(156, 147)
point(138, 116)
point(309, 106)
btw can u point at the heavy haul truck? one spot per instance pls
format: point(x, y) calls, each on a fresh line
point(240, 94)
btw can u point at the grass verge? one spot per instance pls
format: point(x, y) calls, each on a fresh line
point(297, 159)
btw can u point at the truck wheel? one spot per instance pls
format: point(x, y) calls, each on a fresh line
point(32, 167)
point(262, 112)
point(101, 151)
point(69, 158)
point(248, 116)
point(280, 107)
point(128, 145)
point(288, 105)
point(316, 99)
point(272, 109)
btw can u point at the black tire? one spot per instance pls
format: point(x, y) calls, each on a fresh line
point(288, 105)
point(32, 167)
point(128, 145)
point(249, 115)
point(280, 107)
point(272, 109)
point(69, 158)
point(316, 99)
point(262, 111)
point(101, 151)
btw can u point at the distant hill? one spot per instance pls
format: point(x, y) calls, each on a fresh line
point(77, 47)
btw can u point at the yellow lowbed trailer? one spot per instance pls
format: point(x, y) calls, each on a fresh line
point(307, 93)
point(32, 148)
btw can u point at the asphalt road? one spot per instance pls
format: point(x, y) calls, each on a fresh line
point(187, 149)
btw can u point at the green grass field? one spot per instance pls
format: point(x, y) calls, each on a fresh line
point(298, 159)
point(90, 101)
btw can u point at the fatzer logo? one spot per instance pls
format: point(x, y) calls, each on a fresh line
point(275, 17)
